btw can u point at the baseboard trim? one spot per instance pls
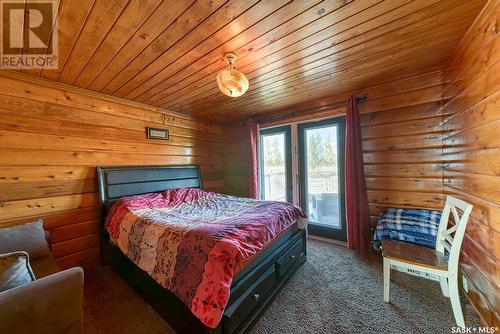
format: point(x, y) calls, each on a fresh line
point(331, 241)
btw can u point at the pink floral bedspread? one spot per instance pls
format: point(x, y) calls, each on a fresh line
point(194, 242)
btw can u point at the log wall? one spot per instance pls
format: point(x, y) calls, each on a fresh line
point(472, 154)
point(53, 136)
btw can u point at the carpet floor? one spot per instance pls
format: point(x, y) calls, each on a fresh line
point(335, 291)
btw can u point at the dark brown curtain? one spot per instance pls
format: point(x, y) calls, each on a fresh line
point(253, 132)
point(357, 216)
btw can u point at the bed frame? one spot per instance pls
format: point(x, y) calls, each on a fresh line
point(252, 289)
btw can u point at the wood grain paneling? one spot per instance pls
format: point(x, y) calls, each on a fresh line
point(346, 66)
point(402, 143)
point(53, 136)
point(471, 154)
point(167, 53)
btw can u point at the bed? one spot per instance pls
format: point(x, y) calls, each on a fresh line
point(252, 284)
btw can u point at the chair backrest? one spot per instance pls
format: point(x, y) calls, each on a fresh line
point(451, 238)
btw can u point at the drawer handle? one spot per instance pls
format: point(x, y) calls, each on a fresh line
point(256, 296)
point(292, 256)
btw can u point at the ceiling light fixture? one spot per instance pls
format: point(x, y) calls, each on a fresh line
point(231, 82)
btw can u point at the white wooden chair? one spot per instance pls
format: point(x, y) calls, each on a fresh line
point(432, 264)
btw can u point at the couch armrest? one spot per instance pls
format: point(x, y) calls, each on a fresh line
point(52, 304)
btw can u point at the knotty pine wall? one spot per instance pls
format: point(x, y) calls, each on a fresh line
point(402, 149)
point(53, 136)
point(472, 154)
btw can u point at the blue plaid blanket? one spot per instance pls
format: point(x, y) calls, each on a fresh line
point(410, 225)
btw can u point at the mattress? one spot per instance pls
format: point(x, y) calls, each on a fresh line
point(195, 243)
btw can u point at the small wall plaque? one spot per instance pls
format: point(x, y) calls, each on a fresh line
point(158, 134)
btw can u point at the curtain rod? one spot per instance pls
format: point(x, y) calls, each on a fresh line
point(359, 99)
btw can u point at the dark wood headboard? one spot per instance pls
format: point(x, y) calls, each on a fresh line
point(117, 182)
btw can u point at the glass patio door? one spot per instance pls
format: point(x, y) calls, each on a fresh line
point(321, 160)
point(275, 164)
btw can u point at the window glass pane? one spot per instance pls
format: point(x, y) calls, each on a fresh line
point(322, 176)
point(274, 167)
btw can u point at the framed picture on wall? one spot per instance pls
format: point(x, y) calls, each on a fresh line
point(157, 134)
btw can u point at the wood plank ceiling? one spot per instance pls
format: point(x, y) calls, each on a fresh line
point(166, 53)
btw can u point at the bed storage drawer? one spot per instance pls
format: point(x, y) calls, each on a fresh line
point(287, 260)
point(257, 293)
